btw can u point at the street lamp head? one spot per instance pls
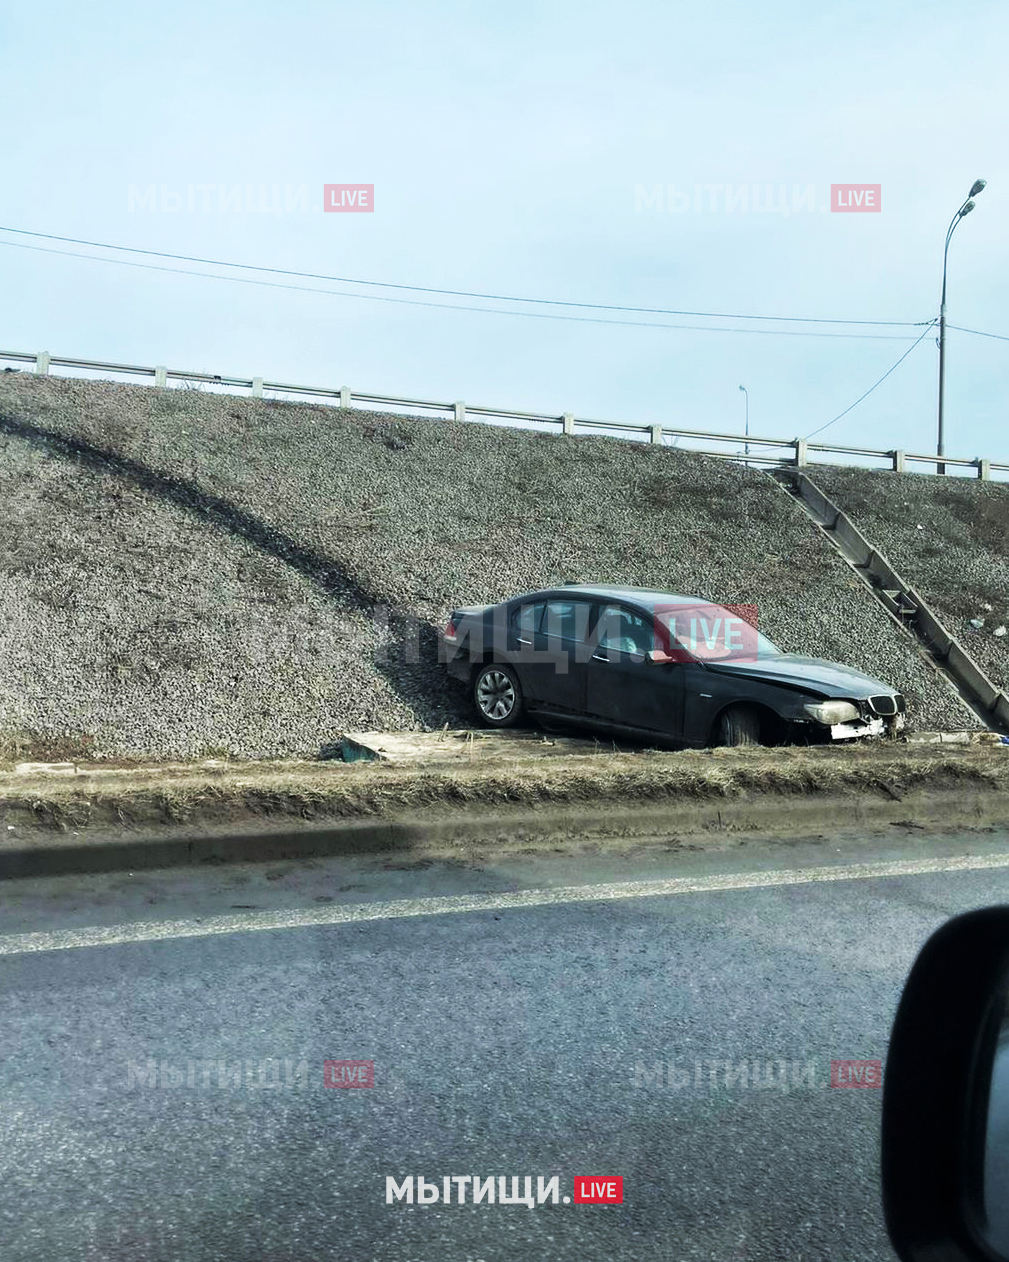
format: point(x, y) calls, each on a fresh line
point(966, 209)
point(743, 388)
point(977, 187)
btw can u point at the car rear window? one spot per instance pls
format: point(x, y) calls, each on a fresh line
point(526, 619)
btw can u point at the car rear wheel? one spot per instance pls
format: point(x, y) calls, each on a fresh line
point(497, 695)
point(739, 725)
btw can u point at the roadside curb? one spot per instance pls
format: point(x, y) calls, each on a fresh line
point(468, 835)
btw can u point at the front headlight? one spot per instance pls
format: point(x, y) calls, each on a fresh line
point(830, 712)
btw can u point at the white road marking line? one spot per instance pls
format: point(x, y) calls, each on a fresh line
point(354, 913)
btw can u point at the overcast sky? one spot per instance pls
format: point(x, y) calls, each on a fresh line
point(516, 149)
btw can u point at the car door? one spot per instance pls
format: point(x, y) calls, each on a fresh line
point(622, 685)
point(524, 622)
point(561, 644)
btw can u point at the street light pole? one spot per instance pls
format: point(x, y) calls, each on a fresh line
point(747, 398)
point(965, 209)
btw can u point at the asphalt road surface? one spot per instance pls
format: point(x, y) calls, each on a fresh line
point(575, 1017)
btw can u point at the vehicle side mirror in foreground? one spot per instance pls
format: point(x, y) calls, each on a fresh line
point(659, 657)
point(945, 1142)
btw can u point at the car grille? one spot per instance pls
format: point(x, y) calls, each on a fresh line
point(887, 705)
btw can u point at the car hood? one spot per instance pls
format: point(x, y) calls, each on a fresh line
point(811, 674)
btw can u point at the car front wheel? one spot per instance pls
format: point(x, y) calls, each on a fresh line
point(498, 695)
point(739, 725)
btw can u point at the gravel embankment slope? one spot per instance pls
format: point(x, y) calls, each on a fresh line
point(947, 537)
point(190, 573)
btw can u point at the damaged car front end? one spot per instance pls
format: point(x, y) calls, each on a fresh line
point(821, 701)
point(847, 720)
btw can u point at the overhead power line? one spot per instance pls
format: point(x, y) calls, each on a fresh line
point(448, 306)
point(999, 337)
point(977, 332)
point(891, 369)
point(457, 293)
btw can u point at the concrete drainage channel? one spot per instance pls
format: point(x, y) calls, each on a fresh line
point(904, 605)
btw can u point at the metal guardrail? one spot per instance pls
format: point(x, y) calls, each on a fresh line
point(792, 452)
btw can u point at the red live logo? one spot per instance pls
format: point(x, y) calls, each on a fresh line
point(856, 1073)
point(855, 198)
point(595, 1190)
point(348, 198)
point(348, 1073)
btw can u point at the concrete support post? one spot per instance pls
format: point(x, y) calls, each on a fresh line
point(257, 387)
point(161, 375)
point(656, 433)
point(898, 461)
point(568, 421)
point(460, 410)
point(984, 470)
point(801, 459)
point(345, 396)
point(42, 363)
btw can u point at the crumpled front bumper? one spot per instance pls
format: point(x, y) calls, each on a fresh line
point(867, 727)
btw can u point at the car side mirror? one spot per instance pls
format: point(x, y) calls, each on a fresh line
point(659, 657)
point(945, 1140)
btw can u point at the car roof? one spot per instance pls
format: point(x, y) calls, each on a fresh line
point(644, 597)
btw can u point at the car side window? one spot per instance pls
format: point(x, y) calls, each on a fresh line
point(526, 619)
point(567, 619)
point(621, 631)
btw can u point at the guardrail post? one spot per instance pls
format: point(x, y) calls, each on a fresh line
point(345, 396)
point(161, 375)
point(42, 363)
point(801, 459)
point(257, 387)
point(460, 410)
point(983, 470)
point(898, 461)
point(568, 421)
point(656, 433)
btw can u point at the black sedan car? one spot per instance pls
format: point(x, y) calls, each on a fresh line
point(666, 668)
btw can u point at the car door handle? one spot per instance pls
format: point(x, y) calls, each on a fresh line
point(521, 641)
point(597, 658)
